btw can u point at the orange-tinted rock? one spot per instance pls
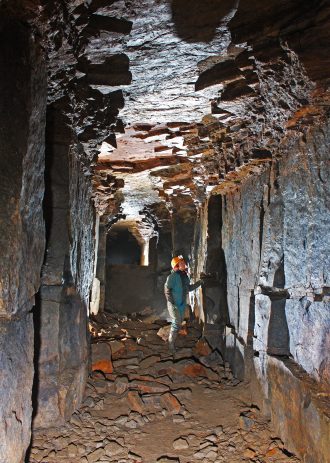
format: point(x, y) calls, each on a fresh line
point(148, 387)
point(194, 370)
point(202, 348)
point(103, 365)
point(101, 358)
point(135, 402)
point(183, 331)
point(249, 453)
point(171, 403)
point(273, 452)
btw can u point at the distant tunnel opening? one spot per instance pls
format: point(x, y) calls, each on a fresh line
point(130, 276)
point(122, 248)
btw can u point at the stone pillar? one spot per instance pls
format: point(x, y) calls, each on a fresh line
point(62, 349)
point(145, 253)
point(101, 263)
point(95, 294)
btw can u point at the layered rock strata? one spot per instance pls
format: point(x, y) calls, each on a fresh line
point(260, 151)
point(22, 108)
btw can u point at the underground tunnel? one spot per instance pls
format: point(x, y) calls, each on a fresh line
point(132, 133)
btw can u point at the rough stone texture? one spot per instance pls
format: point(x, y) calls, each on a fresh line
point(298, 402)
point(308, 324)
point(261, 70)
point(164, 48)
point(16, 361)
point(264, 251)
point(22, 109)
point(82, 218)
point(101, 357)
point(22, 158)
point(189, 418)
point(66, 279)
point(63, 355)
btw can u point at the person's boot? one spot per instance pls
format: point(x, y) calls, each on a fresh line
point(171, 341)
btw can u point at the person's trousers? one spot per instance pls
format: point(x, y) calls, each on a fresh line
point(176, 317)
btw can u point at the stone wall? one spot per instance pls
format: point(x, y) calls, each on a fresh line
point(130, 288)
point(277, 249)
point(62, 348)
point(22, 109)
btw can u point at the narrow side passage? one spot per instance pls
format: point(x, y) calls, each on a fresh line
point(159, 407)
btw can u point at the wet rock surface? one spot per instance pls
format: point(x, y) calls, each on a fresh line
point(155, 406)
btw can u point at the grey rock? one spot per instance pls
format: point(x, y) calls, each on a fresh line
point(113, 448)
point(121, 384)
point(95, 456)
point(180, 444)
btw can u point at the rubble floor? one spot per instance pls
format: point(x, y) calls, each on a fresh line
point(159, 407)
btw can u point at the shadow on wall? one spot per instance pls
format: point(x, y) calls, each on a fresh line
point(236, 360)
point(278, 331)
point(196, 20)
point(36, 311)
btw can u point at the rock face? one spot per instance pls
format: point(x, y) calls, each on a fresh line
point(269, 232)
point(225, 161)
point(66, 279)
point(22, 109)
point(22, 171)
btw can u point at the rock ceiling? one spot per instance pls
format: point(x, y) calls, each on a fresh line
point(164, 46)
point(172, 100)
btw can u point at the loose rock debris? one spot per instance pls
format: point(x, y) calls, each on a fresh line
point(147, 405)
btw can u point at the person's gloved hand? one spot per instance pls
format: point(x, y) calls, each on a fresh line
point(207, 278)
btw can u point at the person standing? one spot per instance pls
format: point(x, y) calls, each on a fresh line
point(176, 288)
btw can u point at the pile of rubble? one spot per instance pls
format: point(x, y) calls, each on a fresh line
point(143, 404)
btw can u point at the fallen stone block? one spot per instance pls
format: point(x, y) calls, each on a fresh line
point(89, 402)
point(202, 348)
point(211, 375)
point(212, 438)
point(152, 400)
point(211, 455)
point(135, 402)
point(212, 360)
point(101, 358)
point(194, 370)
point(180, 444)
point(131, 424)
point(148, 387)
point(95, 456)
point(149, 361)
point(121, 384)
point(99, 405)
point(249, 453)
point(164, 332)
point(199, 455)
point(126, 362)
point(117, 348)
point(113, 448)
point(171, 403)
point(186, 352)
point(121, 420)
point(246, 422)
point(182, 393)
point(72, 450)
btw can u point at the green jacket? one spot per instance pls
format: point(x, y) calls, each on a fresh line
point(177, 287)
